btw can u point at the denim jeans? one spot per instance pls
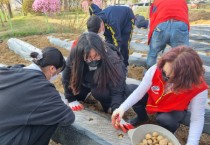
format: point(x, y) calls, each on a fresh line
point(173, 33)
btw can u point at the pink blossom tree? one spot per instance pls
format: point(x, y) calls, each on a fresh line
point(85, 6)
point(47, 6)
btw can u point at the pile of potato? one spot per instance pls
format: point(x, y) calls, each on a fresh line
point(155, 139)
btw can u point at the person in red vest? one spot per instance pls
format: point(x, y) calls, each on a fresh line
point(169, 25)
point(167, 90)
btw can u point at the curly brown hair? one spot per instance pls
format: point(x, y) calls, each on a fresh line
point(187, 67)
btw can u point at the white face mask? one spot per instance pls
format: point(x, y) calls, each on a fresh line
point(101, 33)
point(53, 78)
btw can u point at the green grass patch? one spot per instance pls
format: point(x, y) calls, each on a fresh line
point(142, 10)
point(74, 22)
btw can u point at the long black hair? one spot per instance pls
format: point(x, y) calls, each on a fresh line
point(49, 56)
point(107, 72)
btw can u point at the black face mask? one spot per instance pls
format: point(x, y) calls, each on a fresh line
point(94, 63)
point(165, 78)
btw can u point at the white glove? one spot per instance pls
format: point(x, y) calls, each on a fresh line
point(76, 106)
point(118, 113)
point(118, 122)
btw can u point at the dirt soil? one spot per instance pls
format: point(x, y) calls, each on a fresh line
point(40, 41)
point(199, 16)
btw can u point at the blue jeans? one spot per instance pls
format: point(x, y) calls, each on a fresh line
point(173, 33)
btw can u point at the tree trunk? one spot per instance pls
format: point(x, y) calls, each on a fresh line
point(2, 23)
point(3, 9)
point(69, 5)
point(114, 2)
point(65, 5)
point(104, 3)
point(61, 5)
point(79, 4)
point(9, 10)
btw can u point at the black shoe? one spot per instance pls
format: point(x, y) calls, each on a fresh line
point(137, 121)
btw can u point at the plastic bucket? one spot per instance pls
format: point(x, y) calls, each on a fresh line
point(138, 134)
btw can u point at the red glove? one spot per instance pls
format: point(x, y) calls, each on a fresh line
point(120, 123)
point(76, 106)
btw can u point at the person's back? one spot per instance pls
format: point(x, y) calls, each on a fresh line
point(30, 106)
point(169, 25)
point(139, 18)
point(93, 8)
point(140, 21)
point(172, 9)
point(119, 23)
point(119, 15)
point(163, 10)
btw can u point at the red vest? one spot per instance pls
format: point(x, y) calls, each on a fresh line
point(159, 102)
point(163, 10)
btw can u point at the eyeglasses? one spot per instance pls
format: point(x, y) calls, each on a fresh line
point(92, 58)
point(166, 78)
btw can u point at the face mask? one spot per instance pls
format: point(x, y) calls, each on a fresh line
point(94, 63)
point(53, 78)
point(165, 78)
point(101, 33)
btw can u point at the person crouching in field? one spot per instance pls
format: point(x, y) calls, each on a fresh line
point(30, 106)
point(167, 90)
point(97, 67)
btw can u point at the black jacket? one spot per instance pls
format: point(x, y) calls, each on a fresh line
point(117, 93)
point(116, 19)
point(28, 99)
point(94, 9)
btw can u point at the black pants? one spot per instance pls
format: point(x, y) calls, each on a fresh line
point(41, 134)
point(126, 36)
point(169, 120)
point(104, 96)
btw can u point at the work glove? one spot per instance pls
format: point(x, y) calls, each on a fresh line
point(76, 106)
point(123, 125)
point(117, 114)
point(118, 122)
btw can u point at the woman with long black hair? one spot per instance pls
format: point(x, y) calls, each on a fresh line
point(97, 67)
